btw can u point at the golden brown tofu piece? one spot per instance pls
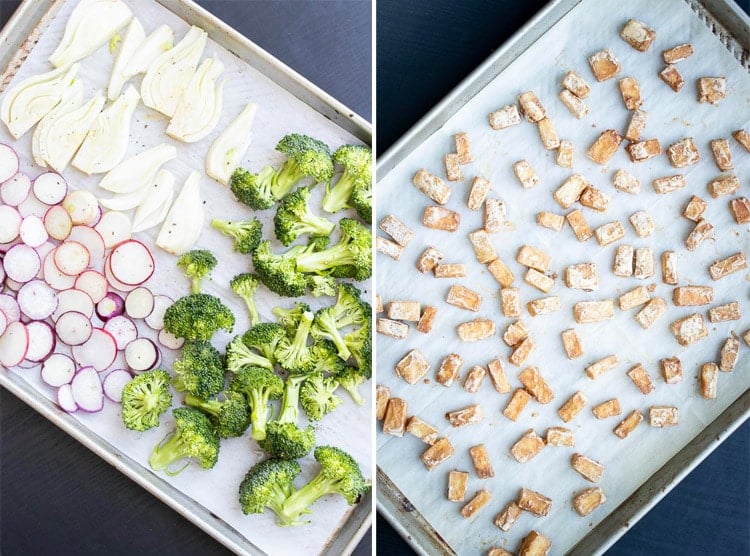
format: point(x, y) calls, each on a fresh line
point(724, 267)
point(641, 379)
point(505, 117)
point(605, 146)
point(457, 485)
point(582, 276)
point(427, 320)
point(642, 223)
point(576, 84)
point(594, 199)
point(691, 296)
point(543, 306)
point(669, 183)
point(712, 89)
point(466, 416)
point(449, 369)
point(598, 368)
point(534, 502)
point(506, 518)
point(550, 220)
point(579, 225)
point(480, 188)
point(501, 272)
point(439, 218)
point(526, 174)
point(394, 422)
point(637, 34)
point(593, 311)
point(740, 208)
point(426, 433)
point(412, 367)
point(382, 395)
point(690, 329)
point(651, 312)
point(702, 231)
point(534, 544)
point(726, 184)
point(609, 233)
point(432, 186)
point(515, 332)
point(540, 281)
point(722, 154)
point(661, 416)
point(730, 353)
point(572, 407)
point(429, 258)
point(669, 267)
point(516, 403)
point(677, 53)
point(527, 447)
point(573, 103)
point(624, 260)
point(510, 302)
point(636, 125)
point(746, 337)
point(521, 352)
point(671, 370)
point(631, 93)
point(531, 107)
point(547, 134)
point(628, 425)
point(694, 209)
point(683, 153)
point(437, 453)
point(641, 151)
point(463, 148)
point(610, 408)
point(388, 247)
point(743, 138)
point(392, 328)
point(643, 266)
point(535, 385)
point(494, 215)
point(474, 378)
point(463, 297)
point(378, 304)
point(496, 370)
point(571, 344)
point(481, 461)
point(725, 312)
point(404, 310)
point(533, 258)
point(587, 500)
point(497, 551)
point(399, 231)
point(604, 64)
point(565, 154)
point(672, 77)
point(479, 501)
point(634, 298)
point(709, 380)
point(482, 245)
point(588, 468)
point(626, 182)
point(560, 436)
point(453, 167)
point(449, 270)
point(570, 191)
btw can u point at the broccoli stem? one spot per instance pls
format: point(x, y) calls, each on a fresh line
point(195, 285)
point(338, 255)
point(259, 411)
point(289, 412)
point(168, 452)
point(353, 392)
point(212, 407)
point(286, 178)
point(252, 310)
point(337, 197)
point(314, 225)
point(329, 325)
point(299, 502)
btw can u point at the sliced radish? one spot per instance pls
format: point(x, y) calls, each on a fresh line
point(99, 351)
point(87, 390)
point(50, 188)
point(65, 399)
point(111, 305)
point(13, 285)
point(15, 191)
point(114, 382)
point(22, 263)
point(8, 162)
point(32, 231)
point(37, 300)
point(82, 207)
point(3, 323)
point(9, 307)
point(131, 262)
point(2, 273)
point(139, 303)
point(73, 300)
point(169, 340)
point(5, 246)
point(114, 227)
point(14, 343)
point(74, 328)
point(53, 276)
point(10, 224)
point(57, 222)
point(114, 282)
point(123, 330)
point(72, 257)
point(91, 240)
point(156, 319)
point(58, 369)
point(33, 206)
point(41, 341)
point(142, 355)
point(93, 283)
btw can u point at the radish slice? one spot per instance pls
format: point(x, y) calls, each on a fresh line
point(82, 207)
point(87, 390)
point(74, 328)
point(9, 307)
point(99, 351)
point(41, 341)
point(139, 303)
point(10, 224)
point(169, 340)
point(3, 323)
point(32, 231)
point(142, 355)
point(22, 263)
point(13, 286)
point(73, 300)
point(131, 263)
point(114, 227)
point(37, 300)
point(112, 305)
point(14, 343)
point(50, 188)
point(123, 330)
point(58, 369)
point(114, 282)
point(156, 319)
point(57, 222)
point(15, 191)
point(52, 275)
point(65, 399)
point(33, 206)
point(91, 240)
point(115, 382)
point(93, 283)
point(72, 258)
point(8, 162)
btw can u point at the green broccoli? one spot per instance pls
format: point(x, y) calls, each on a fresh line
point(348, 310)
point(197, 264)
point(267, 485)
point(357, 163)
point(290, 318)
point(264, 337)
point(327, 360)
point(351, 257)
point(254, 190)
point(317, 243)
point(317, 395)
point(284, 439)
point(197, 317)
point(294, 218)
point(240, 355)
point(230, 415)
point(246, 235)
point(259, 385)
point(293, 354)
point(245, 285)
point(359, 343)
point(321, 286)
point(361, 200)
point(199, 370)
point(144, 399)
point(193, 437)
point(279, 272)
point(350, 379)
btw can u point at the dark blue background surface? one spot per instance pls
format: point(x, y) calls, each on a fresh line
point(425, 48)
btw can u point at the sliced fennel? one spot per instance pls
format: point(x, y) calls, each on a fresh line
point(107, 141)
point(72, 99)
point(159, 41)
point(33, 98)
point(230, 146)
point(169, 75)
point(184, 222)
point(199, 107)
point(125, 201)
point(138, 171)
point(155, 206)
point(134, 37)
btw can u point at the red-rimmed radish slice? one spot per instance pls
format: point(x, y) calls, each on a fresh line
point(99, 351)
point(65, 399)
point(21, 263)
point(114, 282)
point(74, 328)
point(139, 303)
point(123, 330)
point(72, 257)
point(114, 382)
point(15, 191)
point(14, 343)
point(111, 305)
point(53, 276)
point(3, 323)
point(50, 188)
point(91, 240)
point(131, 262)
point(58, 369)
point(33, 206)
point(114, 227)
point(73, 300)
point(142, 355)
point(82, 207)
point(93, 283)
point(33, 232)
point(41, 341)
point(87, 389)
point(10, 224)
point(5, 246)
point(9, 307)
point(57, 222)
point(169, 340)
point(8, 162)
point(37, 300)
point(156, 319)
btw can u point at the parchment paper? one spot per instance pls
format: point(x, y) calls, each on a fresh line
point(279, 113)
point(589, 27)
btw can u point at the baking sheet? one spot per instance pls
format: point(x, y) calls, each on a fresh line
point(279, 113)
point(671, 116)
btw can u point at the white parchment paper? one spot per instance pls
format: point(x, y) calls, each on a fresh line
point(279, 113)
point(589, 27)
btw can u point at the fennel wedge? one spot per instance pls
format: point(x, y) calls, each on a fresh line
point(184, 222)
point(199, 107)
point(138, 171)
point(155, 205)
point(134, 37)
point(158, 42)
point(227, 150)
point(72, 99)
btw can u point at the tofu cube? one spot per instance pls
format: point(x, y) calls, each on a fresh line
point(531, 107)
point(543, 306)
point(709, 380)
point(743, 138)
point(588, 468)
point(702, 231)
point(533, 258)
point(689, 330)
point(644, 263)
point(565, 154)
point(457, 485)
point(669, 267)
point(722, 313)
point(475, 330)
point(683, 153)
point(572, 407)
point(521, 352)
point(527, 447)
point(481, 461)
point(516, 403)
point(598, 368)
point(497, 551)
point(730, 353)
point(610, 408)
point(677, 53)
point(463, 297)
point(382, 395)
point(437, 453)
point(609, 233)
point(426, 433)
point(394, 422)
point(572, 344)
point(692, 296)
point(605, 146)
point(412, 367)
point(480, 188)
point(559, 436)
point(672, 77)
point(570, 191)
point(631, 93)
point(510, 300)
point(727, 184)
point(535, 385)
point(404, 310)
point(439, 218)
point(429, 258)
point(515, 332)
point(392, 328)
point(534, 502)
point(669, 184)
point(501, 272)
point(432, 186)
point(638, 35)
point(449, 369)
point(427, 320)
point(574, 103)
point(593, 311)
point(641, 151)
point(628, 425)
point(740, 208)
point(466, 416)
point(540, 281)
point(547, 133)
point(449, 270)
point(480, 500)
point(526, 174)
point(463, 149)
point(634, 298)
point(389, 248)
point(496, 370)
point(604, 65)
point(651, 312)
point(624, 260)
point(399, 231)
point(474, 378)
point(483, 248)
point(711, 90)
point(587, 500)
point(722, 154)
point(641, 379)
point(534, 544)
point(453, 167)
point(505, 117)
point(494, 215)
point(724, 267)
point(594, 199)
point(506, 518)
point(626, 182)
point(661, 416)
point(671, 370)
point(576, 84)
point(636, 125)
point(550, 220)
point(694, 209)
point(378, 304)
point(642, 223)
point(582, 276)
point(579, 225)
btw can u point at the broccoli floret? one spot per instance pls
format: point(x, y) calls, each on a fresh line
point(279, 272)
point(293, 354)
point(259, 385)
point(267, 485)
point(245, 285)
point(317, 396)
point(290, 318)
point(321, 286)
point(339, 474)
point(264, 337)
point(246, 235)
point(359, 343)
point(193, 437)
point(284, 439)
point(305, 157)
point(197, 264)
point(361, 200)
point(351, 257)
point(254, 190)
point(240, 355)
point(197, 317)
point(294, 218)
point(317, 243)
point(357, 163)
point(348, 310)
point(199, 370)
point(327, 360)
point(144, 399)
point(230, 415)
point(350, 379)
